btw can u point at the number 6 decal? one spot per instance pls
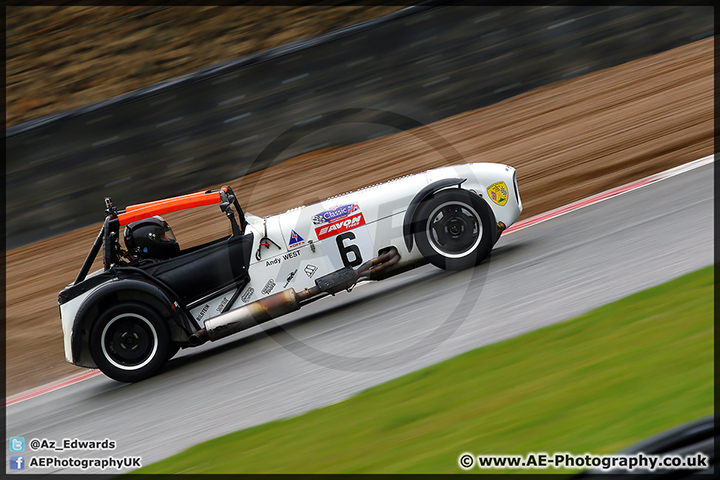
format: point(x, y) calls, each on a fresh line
point(345, 249)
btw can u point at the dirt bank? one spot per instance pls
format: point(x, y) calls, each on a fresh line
point(567, 140)
point(60, 58)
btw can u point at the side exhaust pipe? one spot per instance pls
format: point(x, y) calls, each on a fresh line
point(248, 316)
point(289, 300)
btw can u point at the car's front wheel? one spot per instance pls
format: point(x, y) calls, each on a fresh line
point(454, 229)
point(130, 342)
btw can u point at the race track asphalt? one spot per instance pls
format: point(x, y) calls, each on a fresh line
point(339, 346)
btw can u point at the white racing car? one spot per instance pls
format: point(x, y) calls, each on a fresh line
point(152, 298)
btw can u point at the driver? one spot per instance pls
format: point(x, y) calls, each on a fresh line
point(151, 238)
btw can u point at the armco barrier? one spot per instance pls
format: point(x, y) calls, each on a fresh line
point(208, 127)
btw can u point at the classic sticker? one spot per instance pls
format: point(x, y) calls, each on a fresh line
point(335, 213)
point(498, 192)
point(310, 270)
point(340, 226)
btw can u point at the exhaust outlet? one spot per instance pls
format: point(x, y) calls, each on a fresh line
point(248, 316)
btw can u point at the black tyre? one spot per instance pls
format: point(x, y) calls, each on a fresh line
point(454, 229)
point(130, 342)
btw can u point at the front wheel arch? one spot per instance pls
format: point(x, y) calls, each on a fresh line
point(423, 194)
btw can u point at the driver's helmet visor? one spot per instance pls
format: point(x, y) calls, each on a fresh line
point(167, 236)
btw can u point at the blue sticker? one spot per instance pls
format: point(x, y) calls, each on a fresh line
point(335, 213)
point(295, 239)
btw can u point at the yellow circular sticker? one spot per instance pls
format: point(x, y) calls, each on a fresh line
point(498, 192)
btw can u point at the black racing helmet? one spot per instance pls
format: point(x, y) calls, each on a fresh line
point(151, 238)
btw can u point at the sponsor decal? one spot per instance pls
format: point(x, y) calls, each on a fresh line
point(335, 213)
point(340, 226)
point(295, 239)
point(224, 302)
point(290, 277)
point(202, 312)
point(498, 192)
point(248, 293)
point(268, 287)
point(310, 270)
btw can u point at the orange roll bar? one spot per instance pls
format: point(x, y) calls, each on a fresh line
point(149, 209)
point(131, 208)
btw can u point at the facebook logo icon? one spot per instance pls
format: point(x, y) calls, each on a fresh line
point(17, 462)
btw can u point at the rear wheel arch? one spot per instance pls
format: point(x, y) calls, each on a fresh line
point(130, 341)
point(112, 294)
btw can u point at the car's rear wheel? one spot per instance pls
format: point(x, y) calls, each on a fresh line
point(130, 342)
point(454, 229)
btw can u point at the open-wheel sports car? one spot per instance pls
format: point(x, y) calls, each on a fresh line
point(152, 298)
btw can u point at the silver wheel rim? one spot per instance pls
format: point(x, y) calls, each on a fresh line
point(113, 350)
point(454, 229)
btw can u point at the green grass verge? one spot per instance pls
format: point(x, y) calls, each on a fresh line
point(597, 384)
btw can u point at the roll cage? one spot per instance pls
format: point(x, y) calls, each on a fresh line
point(109, 236)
